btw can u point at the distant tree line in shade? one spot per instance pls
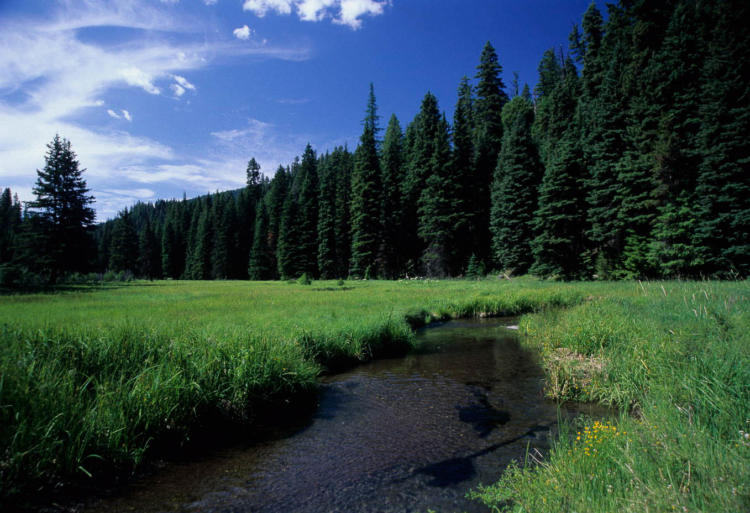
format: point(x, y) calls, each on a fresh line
point(629, 159)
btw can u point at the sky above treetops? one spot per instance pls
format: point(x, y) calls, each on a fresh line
point(161, 98)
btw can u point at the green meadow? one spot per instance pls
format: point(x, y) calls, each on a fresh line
point(94, 379)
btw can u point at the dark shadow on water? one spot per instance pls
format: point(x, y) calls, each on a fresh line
point(483, 417)
point(454, 471)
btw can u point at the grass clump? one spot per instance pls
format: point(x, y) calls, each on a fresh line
point(676, 358)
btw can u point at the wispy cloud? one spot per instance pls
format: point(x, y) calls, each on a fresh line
point(50, 77)
point(342, 12)
point(183, 82)
point(293, 101)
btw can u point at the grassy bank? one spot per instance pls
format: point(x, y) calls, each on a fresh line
point(95, 378)
point(676, 358)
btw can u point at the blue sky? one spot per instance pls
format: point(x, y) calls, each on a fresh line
point(161, 98)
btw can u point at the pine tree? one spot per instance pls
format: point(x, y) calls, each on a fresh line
point(327, 219)
point(261, 265)
point(515, 188)
point(172, 246)
point(422, 137)
point(342, 161)
point(199, 265)
point(590, 50)
point(411, 189)
point(10, 222)
point(722, 236)
point(149, 254)
point(605, 143)
point(640, 80)
point(63, 212)
point(559, 243)
point(308, 213)
point(463, 167)
point(366, 197)
point(274, 204)
point(124, 245)
point(222, 217)
point(392, 164)
point(289, 258)
point(438, 217)
point(676, 151)
point(488, 126)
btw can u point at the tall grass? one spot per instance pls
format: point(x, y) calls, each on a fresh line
point(676, 358)
point(92, 379)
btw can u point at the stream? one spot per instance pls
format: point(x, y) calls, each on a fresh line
point(403, 434)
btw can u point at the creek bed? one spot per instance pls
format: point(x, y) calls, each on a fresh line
point(401, 434)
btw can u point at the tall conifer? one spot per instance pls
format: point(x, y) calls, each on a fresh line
point(392, 214)
point(366, 197)
point(515, 189)
point(488, 126)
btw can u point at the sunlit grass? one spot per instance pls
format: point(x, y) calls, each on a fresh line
point(676, 358)
point(93, 378)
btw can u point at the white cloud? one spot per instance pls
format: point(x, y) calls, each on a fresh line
point(313, 10)
point(61, 75)
point(125, 115)
point(177, 89)
point(183, 82)
point(261, 7)
point(242, 32)
point(352, 10)
point(342, 12)
point(136, 77)
point(210, 2)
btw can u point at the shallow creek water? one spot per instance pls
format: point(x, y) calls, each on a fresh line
point(403, 434)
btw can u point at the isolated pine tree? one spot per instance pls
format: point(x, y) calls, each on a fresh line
point(366, 197)
point(62, 231)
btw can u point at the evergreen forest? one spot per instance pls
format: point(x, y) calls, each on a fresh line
point(628, 159)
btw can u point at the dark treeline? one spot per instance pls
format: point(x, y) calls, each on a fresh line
point(629, 159)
